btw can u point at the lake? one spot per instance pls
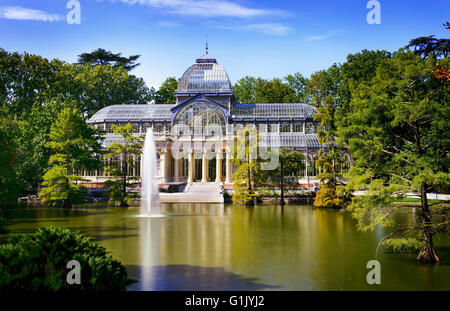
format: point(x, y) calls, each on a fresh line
point(220, 247)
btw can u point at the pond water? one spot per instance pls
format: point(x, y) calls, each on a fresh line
point(217, 247)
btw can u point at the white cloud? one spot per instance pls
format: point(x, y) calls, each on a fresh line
point(18, 13)
point(274, 29)
point(315, 38)
point(169, 24)
point(325, 36)
point(205, 8)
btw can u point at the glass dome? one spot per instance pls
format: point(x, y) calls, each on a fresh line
point(205, 76)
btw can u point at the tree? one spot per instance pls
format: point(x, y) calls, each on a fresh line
point(244, 90)
point(38, 262)
point(248, 174)
point(75, 146)
point(298, 84)
point(34, 91)
point(8, 160)
point(427, 46)
point(33, 131)
point(286, 175)
point(274, 91)
point(291, 89)
point(165, 94)
point(96, 87)
point(23, 79)
point(331, 93)
point(398, 134)
point(124, 152)
point(332, 193)
point(28, 80)
point(103, 57)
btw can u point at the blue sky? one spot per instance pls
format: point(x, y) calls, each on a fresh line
point(248, 37)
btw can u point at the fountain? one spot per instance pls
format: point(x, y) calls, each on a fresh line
point(150, 203)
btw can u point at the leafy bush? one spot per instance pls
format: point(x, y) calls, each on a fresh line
point(330, 197)
point(37, 262)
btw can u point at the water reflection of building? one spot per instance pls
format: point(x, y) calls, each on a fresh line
point(202, 126)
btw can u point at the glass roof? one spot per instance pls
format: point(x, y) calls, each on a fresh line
point(292, 140)
point(274, 111)
point(205, 76)
point(132, 112)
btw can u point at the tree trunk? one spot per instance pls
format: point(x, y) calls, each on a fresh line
point(123, 203)
point(249, 185)
point(427, 253)
point(282, 184)
point(66, 203)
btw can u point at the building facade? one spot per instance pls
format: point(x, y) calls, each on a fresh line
point(195, 138)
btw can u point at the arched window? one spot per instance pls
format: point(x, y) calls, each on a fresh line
point(200, 119)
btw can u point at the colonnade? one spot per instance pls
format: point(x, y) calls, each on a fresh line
point(166, 157)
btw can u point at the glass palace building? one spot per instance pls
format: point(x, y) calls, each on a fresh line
point(195, 137)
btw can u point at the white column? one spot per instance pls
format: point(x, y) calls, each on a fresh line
point(306, 170)
point(219, 165)
point(228, 165)
point(205, 166)
point(163, 165)
point(176, 169)
point(191, 167)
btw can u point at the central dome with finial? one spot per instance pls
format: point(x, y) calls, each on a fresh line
point(205, 76)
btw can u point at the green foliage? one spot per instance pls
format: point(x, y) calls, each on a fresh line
point(165, 94)
point(8, 159)
point(430, 46)
point(403, 245)
point(325, 83)
point(285, 176)
point(274, 91)
point(248, 173)
point(33, 135)
point(117, 187)
point(398, 133)
point(75, 146)
point(23, 79)
point(331, 197)
point(330, 91)
point(94, 87)
point(103, 57)
point(35, 90)
point(244, 90)
point(298, 84)
point(291, 89)
point(331, 160)
point(37, 262)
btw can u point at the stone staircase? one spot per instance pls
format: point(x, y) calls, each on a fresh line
point(196, 192)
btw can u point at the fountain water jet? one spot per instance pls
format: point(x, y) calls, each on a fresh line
point(150, 203)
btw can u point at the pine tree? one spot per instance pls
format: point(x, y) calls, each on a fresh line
point(120, 183)
point(75, 146)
